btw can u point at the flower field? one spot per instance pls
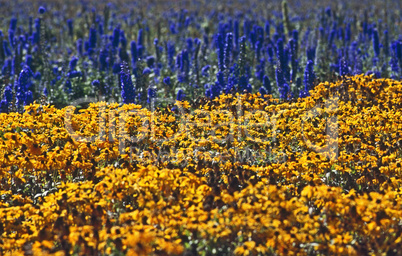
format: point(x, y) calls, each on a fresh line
point(178, 187)
point(198, 128)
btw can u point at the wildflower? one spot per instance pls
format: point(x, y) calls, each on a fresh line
point(167, 81)
point(74, 74)
point(376, 43)
point(116, 37)
point(127, 87)
point(228, 49)
point(68, 86)
point(267, 84)
point(309, 76)
point(150, 61)
point(220, 44)
point(70, 27)
point(134, 55)
point(204, 70)
point(103, 59)
point(95, 83)
point(73, 63)
point(151, 94)
point(92, 38)
point(79, 45)
point(28, 98)
point(263, 91)
point(180, 95)
point(4, 106)
point(343, 67)
point(140, 37)
point(311, 51)
point(41, 10)
point(146, 71)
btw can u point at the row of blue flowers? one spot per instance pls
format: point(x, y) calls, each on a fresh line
point(149, 55)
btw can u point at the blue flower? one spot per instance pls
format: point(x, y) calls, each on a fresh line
point(280, 79)
point(309, 76)
point(28, 60)
point(262, 91)
point(4, 106)
point(304, 94)
point(8, 93)
point(150, 61)
point(140, 37)
point(134, 55)
point(167, 81)
point(116, 68)
point(92, 38)
point(6, 49)
point(37, 76)
point(284, 91)
point(343, 67)
point(220, 44)
point(151, 94)
point(96, 83)
point(28, 98)
point(311, 53)
point(180, 95)
point(68, 86)
point(228, 49)
point(267, 84)
point(376, 43)
point(70, 27)
point(103, 56)
point(74, 74)
point(146, 71)
point(73, 63)
point(123, 39)
point(13, 23)
point(41, 10)
point(79, 46)
point(204, 70)
point(116, 37)
point(127, 88)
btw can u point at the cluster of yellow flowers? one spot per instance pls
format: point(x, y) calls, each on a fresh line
point(243, 174)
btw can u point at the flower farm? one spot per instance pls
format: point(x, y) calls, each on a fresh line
point(197, 128)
